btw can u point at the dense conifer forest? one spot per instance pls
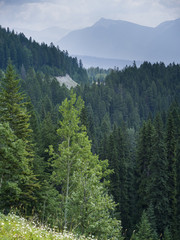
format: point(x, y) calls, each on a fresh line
point(25, 53)
point(102, 159)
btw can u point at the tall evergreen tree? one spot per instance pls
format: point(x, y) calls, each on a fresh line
point(172, 174)
point(13, 111)
point(159, 177)
point(175, 111)
point(145, 231)
point(17, 182)
point(13, 105)
point(115, 148)
point(144, 159)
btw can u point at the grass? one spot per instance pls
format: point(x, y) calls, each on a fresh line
point(13, 227)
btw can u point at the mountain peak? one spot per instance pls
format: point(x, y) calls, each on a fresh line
point(118, 39)
point(104, 22)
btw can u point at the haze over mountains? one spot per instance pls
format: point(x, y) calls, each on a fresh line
point(125, 41)
point(48, 35)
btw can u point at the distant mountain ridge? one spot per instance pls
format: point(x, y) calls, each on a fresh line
point(117, 39)
point(105, 63)
point(48, 35)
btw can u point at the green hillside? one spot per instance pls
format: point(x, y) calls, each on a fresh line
point(25, 53)
point(14, 227)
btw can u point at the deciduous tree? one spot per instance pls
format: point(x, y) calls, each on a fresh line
point(85, 201)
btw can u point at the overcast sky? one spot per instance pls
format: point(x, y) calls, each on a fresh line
point(75, 14)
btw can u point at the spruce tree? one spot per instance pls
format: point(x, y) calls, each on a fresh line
point(175, 111)
point(172, 174)
point(144, 160)
point(145, 231)
point(13, 111)
point(159, 177)
point(13, 105)
point(17, 181)
point(167, 234)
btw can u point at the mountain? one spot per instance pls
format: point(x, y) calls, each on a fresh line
point(47, 35)
point(124, 40)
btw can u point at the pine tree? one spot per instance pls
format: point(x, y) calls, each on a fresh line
point(145, 231)
point(13, 111)
point(152, 220)
point(172, 174)
point(167, 234)
point(144, 159)
point(17, 181)
point(175, 111)
point(159, 177)
point(13, 106)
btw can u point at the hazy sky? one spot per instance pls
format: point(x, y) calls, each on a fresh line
point(75, 14)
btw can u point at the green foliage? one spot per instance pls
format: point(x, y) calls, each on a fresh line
point(12, 105)
point(131, 95)
point(115, 149)
point(129, 122)
point(172, 174)
point(85, 202)
point(144, 231)
point(14, 227)
point(97, 74)
point(157, 173)
point(28, 53)
point(16, 178)
point(144, 159)
point(167, 234)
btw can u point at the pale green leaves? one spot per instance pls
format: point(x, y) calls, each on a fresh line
point(85, 201)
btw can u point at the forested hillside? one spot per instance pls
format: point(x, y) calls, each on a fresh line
point(131, 96)
point(25, 53)
point(134, 121)
point(91, 160)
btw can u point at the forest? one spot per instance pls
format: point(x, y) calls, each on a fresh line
point(101, 159)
